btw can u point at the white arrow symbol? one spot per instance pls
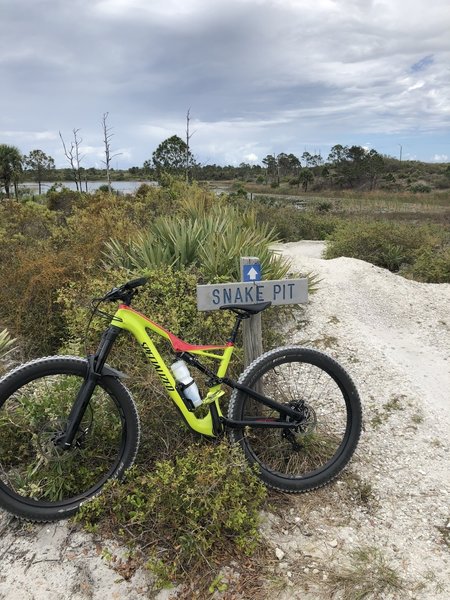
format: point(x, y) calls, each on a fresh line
point(252, 273)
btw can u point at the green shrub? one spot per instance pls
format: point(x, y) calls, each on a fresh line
point(292, 224)
point(169, 299)
point(21, 224)
point(143, 190)
point(420, 188)
point(431, 265)
point(385, 244)
point(188, 513)
point(48, 252)
point(28, 301)
point(421, 252)
point(63, 200)
point(324, 206)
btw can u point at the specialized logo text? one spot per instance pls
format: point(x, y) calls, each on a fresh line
point(158, 367)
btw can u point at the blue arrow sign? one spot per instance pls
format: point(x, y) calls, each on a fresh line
point(252, 272)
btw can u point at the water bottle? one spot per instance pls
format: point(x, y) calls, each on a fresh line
point(188, 385)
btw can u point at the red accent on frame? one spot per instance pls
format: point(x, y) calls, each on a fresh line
point(177, 344)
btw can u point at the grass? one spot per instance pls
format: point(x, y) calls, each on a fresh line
point(377, 199)
point(368, 575)
point(390, 202)
point(436, 443)
point(360, 489)
point(382, 415)
point(357, 201)
point(417, 418)
point(325, 342)
point(430, 578)
point(394, 404)
point(333, 320)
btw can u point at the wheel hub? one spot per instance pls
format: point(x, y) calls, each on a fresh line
point(49, 440)
point(306, 425)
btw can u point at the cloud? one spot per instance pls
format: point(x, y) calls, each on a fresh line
point(422, 64)
point(257, 74)
point(29, 136)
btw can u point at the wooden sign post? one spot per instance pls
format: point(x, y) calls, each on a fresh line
point(252, 329)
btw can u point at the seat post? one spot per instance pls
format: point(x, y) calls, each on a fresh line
point(233, 336)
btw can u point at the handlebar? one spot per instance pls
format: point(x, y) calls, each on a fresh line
point(124, 292)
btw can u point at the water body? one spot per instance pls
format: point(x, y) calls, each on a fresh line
point(125, 187)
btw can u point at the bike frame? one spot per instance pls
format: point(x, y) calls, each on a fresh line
point(213, 423)
point(138, 324)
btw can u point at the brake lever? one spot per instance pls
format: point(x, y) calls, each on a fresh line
point(110, 295)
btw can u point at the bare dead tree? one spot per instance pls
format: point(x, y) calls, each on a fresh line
point(78, 157)
point(107, 136)
point(74, 157)
point(188, 138)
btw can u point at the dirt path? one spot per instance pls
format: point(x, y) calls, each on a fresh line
point(385, 523)
point(393, 336)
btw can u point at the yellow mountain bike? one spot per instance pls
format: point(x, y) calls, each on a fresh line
point(68, 424)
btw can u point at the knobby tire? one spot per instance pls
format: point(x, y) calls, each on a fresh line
point(316, 451)
point(39, 481)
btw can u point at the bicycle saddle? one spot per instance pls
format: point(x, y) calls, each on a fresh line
point(248, 309)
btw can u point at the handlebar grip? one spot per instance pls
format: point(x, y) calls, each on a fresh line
point(134, 283)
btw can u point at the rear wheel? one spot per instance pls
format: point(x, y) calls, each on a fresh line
point(314, 452)
point(38, 479)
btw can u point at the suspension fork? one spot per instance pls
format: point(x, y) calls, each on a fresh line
point(96, 363)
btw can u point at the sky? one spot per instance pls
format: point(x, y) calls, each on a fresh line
point(259, 77)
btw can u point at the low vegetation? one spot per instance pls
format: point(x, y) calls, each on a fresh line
point(204, 501)
point(401, 234)
point(191, 513)
point(421, 252)
point(210, 240)
point(6, 344)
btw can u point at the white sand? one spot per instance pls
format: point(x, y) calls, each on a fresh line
point(393, 336)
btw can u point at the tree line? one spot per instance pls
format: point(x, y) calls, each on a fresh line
point(345, 167)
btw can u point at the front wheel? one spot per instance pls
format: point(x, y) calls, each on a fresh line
point(39, 480)
point(314, 452)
